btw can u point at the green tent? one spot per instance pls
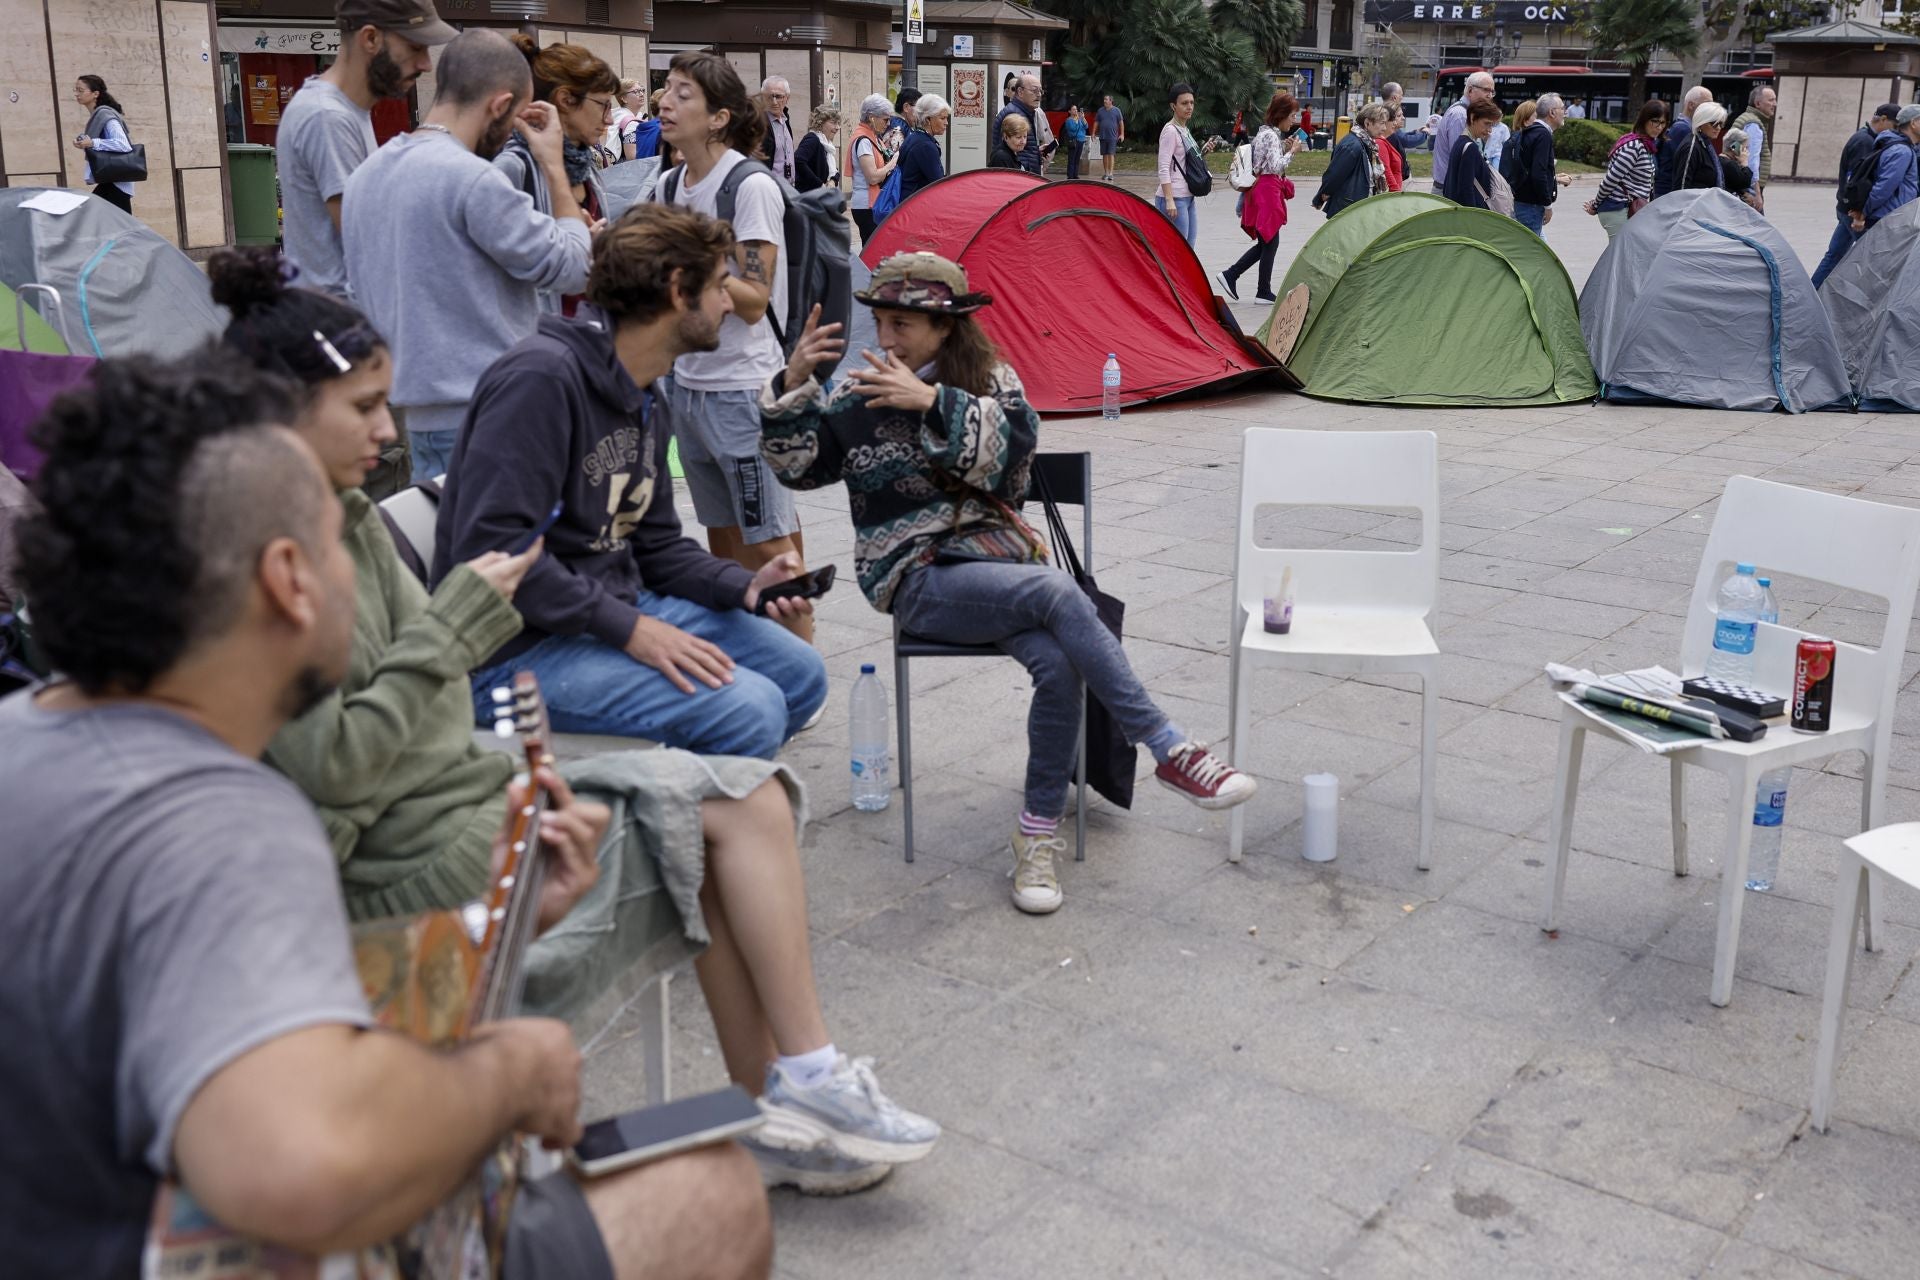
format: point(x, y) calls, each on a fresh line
point(40, 335)
point(1412, 299)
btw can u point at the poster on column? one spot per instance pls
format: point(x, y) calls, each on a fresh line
point(970, 92)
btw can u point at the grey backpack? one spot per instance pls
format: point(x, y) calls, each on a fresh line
point(819, 248)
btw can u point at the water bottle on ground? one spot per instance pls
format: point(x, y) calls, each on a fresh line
point(1770, 797)
point(1110, 387)
point(1740, 601)
point(872, 785)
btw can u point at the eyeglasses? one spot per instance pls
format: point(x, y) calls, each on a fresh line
point(605, 104)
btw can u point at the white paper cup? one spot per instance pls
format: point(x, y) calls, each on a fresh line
point(1322, 824)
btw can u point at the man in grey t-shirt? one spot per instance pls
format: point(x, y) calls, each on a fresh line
point(180, 999)
point(327, 128)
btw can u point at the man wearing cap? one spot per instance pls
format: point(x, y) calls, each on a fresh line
point(327, 129)
point(1854, 164)
point(934, 439)
point(1891, 178)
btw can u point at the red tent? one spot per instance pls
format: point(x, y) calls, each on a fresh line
point(1077, 270)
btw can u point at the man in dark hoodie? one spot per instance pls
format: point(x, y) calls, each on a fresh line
point(632, 628)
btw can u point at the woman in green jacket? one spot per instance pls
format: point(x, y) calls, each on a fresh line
point(702, 857)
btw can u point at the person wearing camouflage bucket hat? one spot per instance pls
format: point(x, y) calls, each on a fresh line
point(934, 439)
point(922, 282)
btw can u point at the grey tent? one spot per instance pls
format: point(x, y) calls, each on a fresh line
point(123, 288)
point(1700, 301)
point(1873, 299)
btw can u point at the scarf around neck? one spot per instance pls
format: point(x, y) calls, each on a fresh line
point(1376, 171)
point(579, 159)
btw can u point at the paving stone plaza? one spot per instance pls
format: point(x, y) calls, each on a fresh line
point(1358, 1069)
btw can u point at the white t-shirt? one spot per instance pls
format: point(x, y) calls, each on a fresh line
point(749, 354)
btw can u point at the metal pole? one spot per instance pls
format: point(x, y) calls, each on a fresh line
point(909, 55)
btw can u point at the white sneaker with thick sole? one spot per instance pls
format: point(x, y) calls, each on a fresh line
point(847, 1111)
point(1036, 889)
point(817, 1171)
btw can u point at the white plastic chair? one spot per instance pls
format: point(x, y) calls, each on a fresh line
point(1354, 612)
point(1891, 851)
point(1845, 542)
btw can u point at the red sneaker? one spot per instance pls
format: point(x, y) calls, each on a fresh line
point(1204, 778)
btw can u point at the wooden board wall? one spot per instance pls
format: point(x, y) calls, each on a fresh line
point(158, 59)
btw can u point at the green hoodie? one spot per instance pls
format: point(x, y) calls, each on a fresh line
point(410, 802)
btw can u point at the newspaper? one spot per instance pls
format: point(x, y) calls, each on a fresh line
point(1641, 706)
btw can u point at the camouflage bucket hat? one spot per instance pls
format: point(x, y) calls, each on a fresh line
point(922, 282)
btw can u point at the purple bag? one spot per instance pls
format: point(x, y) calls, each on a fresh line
point(29, 383)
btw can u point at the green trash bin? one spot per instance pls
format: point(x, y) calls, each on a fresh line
point(256, 193)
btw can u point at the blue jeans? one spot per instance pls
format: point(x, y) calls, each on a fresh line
point(591, 687)
point(1531, 216)
point(1184, 218)
point(432, 452)
point(1843, 238)
point(1040, 617)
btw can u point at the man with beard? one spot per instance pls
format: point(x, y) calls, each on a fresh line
point(632, 628)
point(184, 1003)
point(326, 131)
point(446, 256)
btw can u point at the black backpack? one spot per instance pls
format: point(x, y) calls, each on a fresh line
point(819, 247)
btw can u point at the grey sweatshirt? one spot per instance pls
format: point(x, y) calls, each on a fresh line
point(447, 258)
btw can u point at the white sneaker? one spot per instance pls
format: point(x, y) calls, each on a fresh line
point(1036, 889)
point(816, 1171)
point(848, 1112)
point(818, 715)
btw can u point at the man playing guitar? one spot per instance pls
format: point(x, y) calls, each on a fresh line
point(182, 1001)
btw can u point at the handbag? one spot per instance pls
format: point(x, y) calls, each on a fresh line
point(888, 200)
point(1636, 204)
point(1110, 757)
point(1193, 167)
point(1500, 199)
point(120, 166)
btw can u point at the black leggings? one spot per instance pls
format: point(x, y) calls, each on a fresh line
point(863, 219)
point(1261, 252)
point(114, 196)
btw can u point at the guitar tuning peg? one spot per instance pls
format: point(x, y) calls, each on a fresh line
point(503, 695)
point(503, 728)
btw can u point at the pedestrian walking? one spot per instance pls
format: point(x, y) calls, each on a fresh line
point(1698, 165)
point(934, 439)
point(326, 128)
point(445, 255)
point(1176, 145)
point(1075, 132)
point(1530, 165)
point(1756, 122)
point(869, 164)
point(1010, 144)
point(1355, 170)
point(1666, 173)
point(1471, 180)
point(105, 134)
point(1735, 166)
point(1627, 185)
point(1110, 126)
point(1479, 88)
point(713, 395)
point(1402, 138)
point(813, 159)
point(920, 160)
point(580, 88)
point(1855, 160)
point(777, 151)
point(1393, 161)
point(1263, 211)
point(1892, 177)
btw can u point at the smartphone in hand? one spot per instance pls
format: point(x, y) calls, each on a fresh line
point(539, 530)
point(654, 1133)
point(808, 586)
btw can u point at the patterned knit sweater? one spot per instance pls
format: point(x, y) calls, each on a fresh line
point(907, 474)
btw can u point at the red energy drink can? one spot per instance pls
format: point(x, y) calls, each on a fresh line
point(1813, 685)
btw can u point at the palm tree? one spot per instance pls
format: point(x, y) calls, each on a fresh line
point(1270, 24)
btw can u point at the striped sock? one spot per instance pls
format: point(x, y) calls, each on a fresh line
point(1031, 826)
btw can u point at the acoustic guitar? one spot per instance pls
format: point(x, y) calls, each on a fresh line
point(433, 977)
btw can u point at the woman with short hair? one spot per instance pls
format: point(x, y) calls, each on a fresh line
point(920, 159)
point(1471, 179)
point(1699, 163)
point(869, 164)
point(813, 159)
point(1356, 170)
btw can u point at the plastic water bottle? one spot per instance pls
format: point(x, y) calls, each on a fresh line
point(872, 785)
point(1110, 387)
point(1770, 797)
point(1740, 601)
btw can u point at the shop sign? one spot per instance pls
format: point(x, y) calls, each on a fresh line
point(296, 40)
point(1389, 11)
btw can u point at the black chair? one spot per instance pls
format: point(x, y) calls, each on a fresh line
point(1069, 478)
